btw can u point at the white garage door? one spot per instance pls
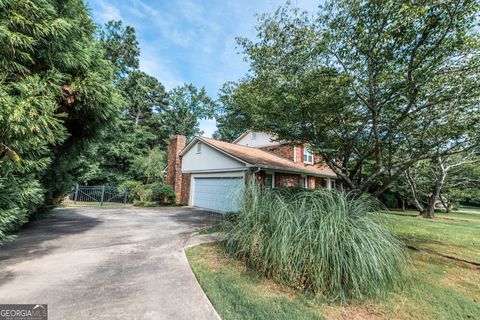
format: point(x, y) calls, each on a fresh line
point(219, 194)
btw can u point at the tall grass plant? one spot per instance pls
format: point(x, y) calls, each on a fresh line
point(319, 241)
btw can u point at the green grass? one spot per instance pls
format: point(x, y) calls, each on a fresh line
point(219, 227)
point(238, 293)
point(440, 288)
point(455, 234)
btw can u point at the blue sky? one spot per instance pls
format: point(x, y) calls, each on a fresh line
point(190, 41)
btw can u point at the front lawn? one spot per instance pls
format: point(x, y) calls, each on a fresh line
point(453, 234)
point(440, 288)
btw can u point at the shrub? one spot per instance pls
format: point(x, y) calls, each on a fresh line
point(320, 241)
point(161, 191)
point(154, 194)
point(140, 203)
point(134, 189)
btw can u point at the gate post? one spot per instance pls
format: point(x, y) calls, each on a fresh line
point(76, 194)
point(103, 193)
point(125, 196)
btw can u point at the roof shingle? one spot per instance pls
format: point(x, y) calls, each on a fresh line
point(266, 160)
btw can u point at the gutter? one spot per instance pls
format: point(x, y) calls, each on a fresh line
point(313, 173)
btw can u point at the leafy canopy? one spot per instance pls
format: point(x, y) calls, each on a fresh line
point(56, 92)
point(373, 86)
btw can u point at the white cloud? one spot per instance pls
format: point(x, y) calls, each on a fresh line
point(152, 64)
point(108, 11)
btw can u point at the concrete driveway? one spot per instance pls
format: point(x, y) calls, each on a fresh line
point(107, 263)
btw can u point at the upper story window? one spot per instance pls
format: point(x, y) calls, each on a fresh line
point(307, 156)
point(199, 147)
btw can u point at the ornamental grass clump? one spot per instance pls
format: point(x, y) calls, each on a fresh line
point(318, 241)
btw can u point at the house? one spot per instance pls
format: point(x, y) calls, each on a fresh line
point(211, 174)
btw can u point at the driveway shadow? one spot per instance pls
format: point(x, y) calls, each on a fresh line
point(29, 242)
point(197, 217)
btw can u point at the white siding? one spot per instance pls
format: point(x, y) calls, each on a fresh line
point(208, 159)
point(257, 139)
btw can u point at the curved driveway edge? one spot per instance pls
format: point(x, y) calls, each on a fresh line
point(107, 263)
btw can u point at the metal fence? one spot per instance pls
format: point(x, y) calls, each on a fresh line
point(96, 195)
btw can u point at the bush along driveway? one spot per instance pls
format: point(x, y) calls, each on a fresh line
point(107, 263)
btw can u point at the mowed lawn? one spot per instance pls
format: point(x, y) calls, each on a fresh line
point(440, 288)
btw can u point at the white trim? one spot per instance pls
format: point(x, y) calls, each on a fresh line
point(293, 171)
point(190, 145)
point(271, 173)
point(241, 136)
point(229, 174)
point(308, 152)
point(215, 171)
point(305, 184)
point(249, 165)
point(294, 154)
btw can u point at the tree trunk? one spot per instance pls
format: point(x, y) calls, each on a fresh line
point(429, 211)
point(445, 203)
point(413, 188)
point(403, 203)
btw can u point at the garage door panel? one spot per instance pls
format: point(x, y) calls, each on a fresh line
point(219, 194)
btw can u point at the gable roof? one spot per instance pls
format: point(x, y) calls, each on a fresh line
point(254, 157)
point(241, 136)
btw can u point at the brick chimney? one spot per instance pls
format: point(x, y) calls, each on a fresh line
point(174, 164)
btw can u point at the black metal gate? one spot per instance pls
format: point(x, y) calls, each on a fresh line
point(97, 194)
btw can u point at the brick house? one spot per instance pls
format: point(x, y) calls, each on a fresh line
point(211, 174)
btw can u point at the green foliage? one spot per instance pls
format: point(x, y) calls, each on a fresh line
point(160, 191)
point(121, 46)
point(186, 105)
point(56, 92)
point(373, 86)
point(231, 122)
point(148, 194)
point(149, 168)
point(145, 95)
point(145, 203)
point(319, 241)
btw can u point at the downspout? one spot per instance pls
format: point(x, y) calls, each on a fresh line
point(255, 173)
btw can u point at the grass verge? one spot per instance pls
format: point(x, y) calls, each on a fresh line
point(441, 289)
point(454, 234)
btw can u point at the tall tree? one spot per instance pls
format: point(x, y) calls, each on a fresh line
point(56, 92)
point(230, 122)
point(430, 180)
point(367, 83)
point(145, 95)
point(121, 46)
point(186, 106)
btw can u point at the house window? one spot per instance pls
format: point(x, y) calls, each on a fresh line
point(304, 182)
point(332, 184)
point(199, 147)
point(307, 156)
point(269, 181)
